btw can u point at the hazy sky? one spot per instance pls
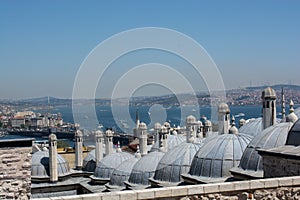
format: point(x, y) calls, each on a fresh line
point(43, 43)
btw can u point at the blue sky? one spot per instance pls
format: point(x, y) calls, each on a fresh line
point(43, 43)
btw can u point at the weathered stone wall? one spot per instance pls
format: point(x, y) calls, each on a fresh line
point(262, 189)
point(15, 172)
point(280, 167)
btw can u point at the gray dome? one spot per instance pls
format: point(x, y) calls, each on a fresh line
point(218, 155)
point(172, 141)
point(145, 168)
point(40, 165)
point(106, 166)
point(254, 127)
point(122, 172)
point(89, 162)
point(293, 137)
point(271, 137)
point(176, 162)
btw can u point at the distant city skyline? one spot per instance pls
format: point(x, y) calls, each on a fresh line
point(42, 44)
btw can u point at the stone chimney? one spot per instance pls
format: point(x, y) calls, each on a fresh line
point(53, 158)
point(143, 136)
point(223, 118)
point(99, 151)
point(109, 142)
point(78, 149)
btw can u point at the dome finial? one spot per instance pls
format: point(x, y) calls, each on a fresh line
point(118, 147)
point(291, 106)
point(233, 129)
point(138, 153)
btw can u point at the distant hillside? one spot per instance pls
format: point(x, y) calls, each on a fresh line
point(276, 87)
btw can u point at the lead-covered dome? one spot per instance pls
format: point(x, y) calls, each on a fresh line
point(254, 127)
point(40, 165)
point(174, 163)
point(251, 161)
point(122, 173)
point(107, 165)
point(89, 162)
point(293, 137)
point(143, 170)
point(216, 157)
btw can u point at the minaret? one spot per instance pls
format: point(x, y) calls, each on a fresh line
point(157, 127)
point(99, 151)
point(190, 123)
point(283, 106)
point(223, 118)
point(137, 122)
point(53, 158)
point(163, 135)
point(143, 135)
point(109, 142)
point(269, 107)
point(78, 149)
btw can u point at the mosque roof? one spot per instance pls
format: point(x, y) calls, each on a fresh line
point(254, 127)
point(251, 161)
point(144, 169)
point(109, 163)
point(172, 141)
point(122, 173)
point(293, 137)
point(217, 156)
point(176, 162)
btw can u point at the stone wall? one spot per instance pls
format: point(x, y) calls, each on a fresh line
point(15, 170)
point(261, 189)
point(280, 167)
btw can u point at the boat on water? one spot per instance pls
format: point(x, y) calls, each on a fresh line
point(240, 115)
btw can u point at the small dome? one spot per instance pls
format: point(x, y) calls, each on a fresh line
point(157, 126)
point(271, 137)
point(293, 137)
point(269, 93)
point(144, 168)
point(172, 141)
point(40, 165)
point(142, 126)
point(122, 172)
point(106, 166)
point(176, 162)
point(223, 108)
point(218, 155)
point(190, 119)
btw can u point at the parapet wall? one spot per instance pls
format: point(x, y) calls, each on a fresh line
point(15, 169)
point(273, 188)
